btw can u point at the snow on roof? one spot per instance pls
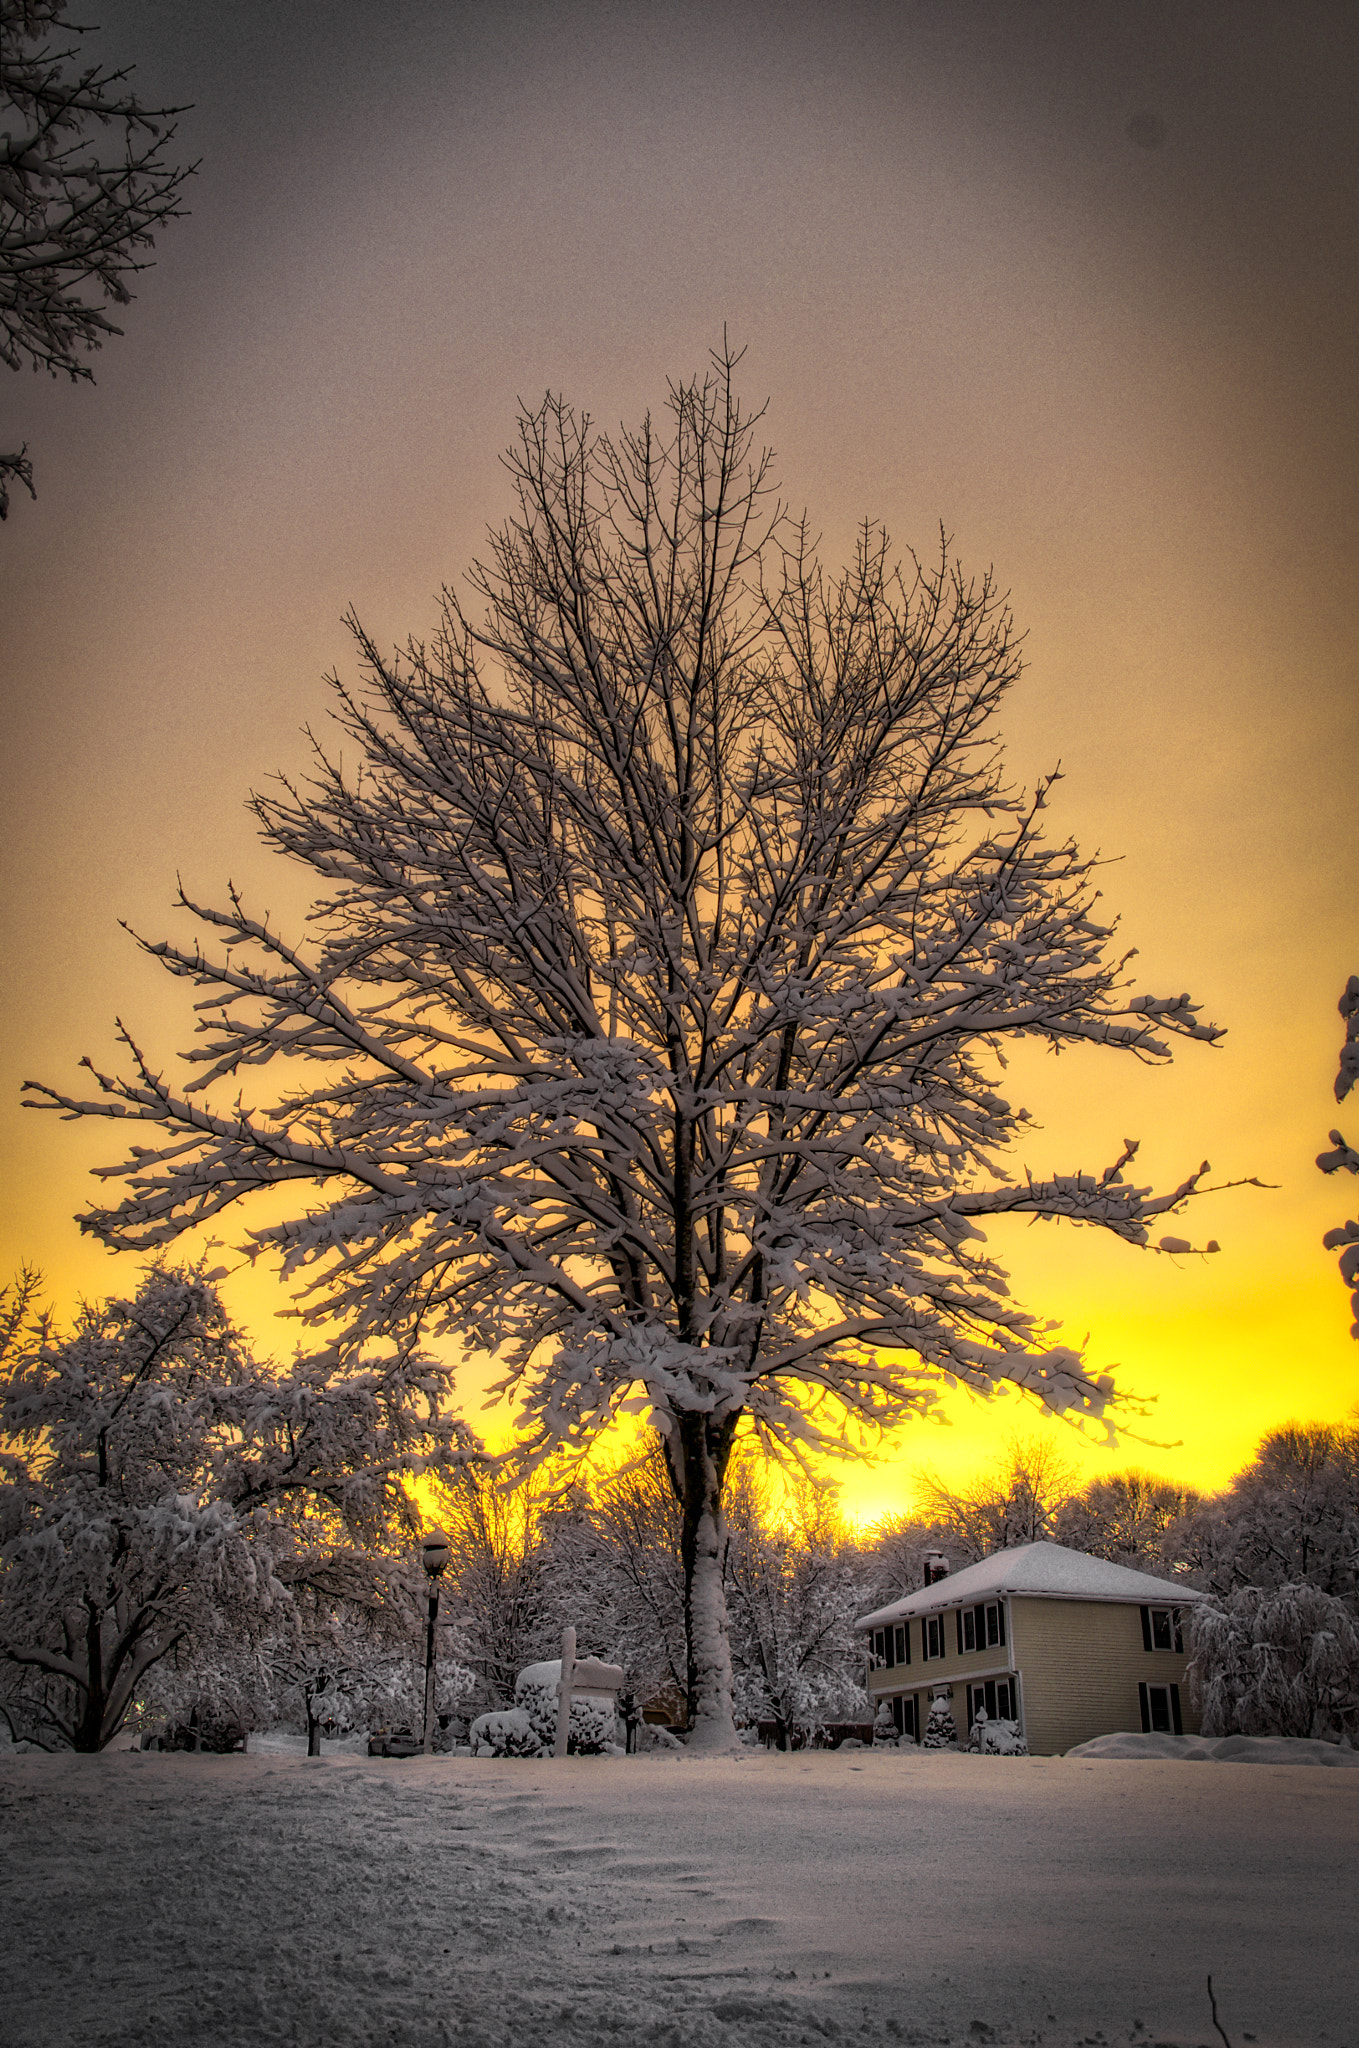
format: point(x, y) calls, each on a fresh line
point(1048, 1571)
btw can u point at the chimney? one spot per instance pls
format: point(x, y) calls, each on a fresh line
point(936, 1566)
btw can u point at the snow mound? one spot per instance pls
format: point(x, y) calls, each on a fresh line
point(1220, 1749)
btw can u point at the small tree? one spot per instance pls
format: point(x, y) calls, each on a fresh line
point(675, 922)
point(795, 1584)
point(1277, 1661)
point(159, 1485)
point(636, 1563)
point(77, 210)
point(1345, 1237)
point(497, 1599)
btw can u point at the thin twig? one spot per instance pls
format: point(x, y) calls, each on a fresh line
point(1216, 2021)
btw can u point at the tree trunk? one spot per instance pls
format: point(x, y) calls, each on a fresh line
point(89, 1726)
point(703, 1451)
point(313, 1731)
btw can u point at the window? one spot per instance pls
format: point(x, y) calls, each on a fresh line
point(1160, 1706)
point(932, 1635)
point(906, 1716)
point(999, 1696)
point(982, 1628)
point(888, 1647)
point(1161, 1629)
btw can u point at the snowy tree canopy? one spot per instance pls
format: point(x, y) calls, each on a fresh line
point(158, 1488)
point(1277, 1661)
point(1290, 1517)
point(675, 916)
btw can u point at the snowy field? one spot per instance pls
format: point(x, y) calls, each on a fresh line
point(752, 1901)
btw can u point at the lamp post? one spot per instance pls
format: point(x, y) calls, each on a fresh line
point(434, 1555)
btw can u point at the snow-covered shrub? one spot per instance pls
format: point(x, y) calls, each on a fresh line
point(651, 1735)
point(1275, 1662)
point(594, 1724)
point(885, 1732)
point(940, 1731)
point(509, 1732)
point(996, 1738)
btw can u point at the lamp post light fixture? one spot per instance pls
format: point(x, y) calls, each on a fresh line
point(435, 1552)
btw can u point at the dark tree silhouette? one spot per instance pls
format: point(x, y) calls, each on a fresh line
point(84, 184)
point(1345, 1237)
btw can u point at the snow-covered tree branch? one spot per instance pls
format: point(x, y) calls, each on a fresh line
point(1345, 1237)
point(79, 205)
point(675, 917)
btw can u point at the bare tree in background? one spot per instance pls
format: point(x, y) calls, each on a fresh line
point(84, 184)
point(675, 919)
point(1345, 1237)
point(1126, 1517)
point(1017, 1502)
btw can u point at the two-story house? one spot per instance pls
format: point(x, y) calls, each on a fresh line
point(1067, 1645)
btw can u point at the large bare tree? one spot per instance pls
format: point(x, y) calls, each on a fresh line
point(84, 184)
point(675, 916)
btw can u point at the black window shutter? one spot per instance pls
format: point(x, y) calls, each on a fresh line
point(1144, 1702)
point(1000, 1610)
point(1175, 1720)
point(1146, 1636)
point(959, 1618)
point(906, 1639)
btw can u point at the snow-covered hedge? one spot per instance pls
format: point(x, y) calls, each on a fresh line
point(996, 1738)
point(594, 1724)
point(507, 1732)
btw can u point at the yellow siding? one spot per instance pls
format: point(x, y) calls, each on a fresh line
point(1079, 1663)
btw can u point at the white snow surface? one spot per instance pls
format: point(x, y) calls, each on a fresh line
point(1047, 1569)
point(667, 1901)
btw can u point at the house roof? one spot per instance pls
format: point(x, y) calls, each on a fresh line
point(1047, 1571)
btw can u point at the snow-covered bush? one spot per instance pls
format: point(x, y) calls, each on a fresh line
point(1283, 1661)
point(885, 1731)
point(940, 1730)
point(996, 1738)
point(594, 1724)
point(508, 1732)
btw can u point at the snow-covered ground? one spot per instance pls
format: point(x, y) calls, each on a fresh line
point(753, 1901)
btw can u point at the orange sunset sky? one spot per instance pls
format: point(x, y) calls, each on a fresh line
point(1078, 280)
